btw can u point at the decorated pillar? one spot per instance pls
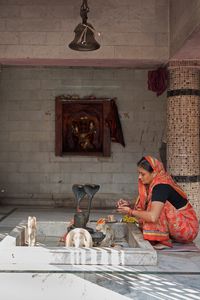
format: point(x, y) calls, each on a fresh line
point(183, 128)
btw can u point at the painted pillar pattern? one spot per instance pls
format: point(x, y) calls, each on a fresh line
point(183, 122)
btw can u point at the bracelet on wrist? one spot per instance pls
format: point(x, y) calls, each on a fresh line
point(130, 212)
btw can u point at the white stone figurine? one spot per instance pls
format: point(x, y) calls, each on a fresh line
point(32, 231)
point(78, 238)
point(107, 231)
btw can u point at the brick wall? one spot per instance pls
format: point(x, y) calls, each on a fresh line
point(29, 171)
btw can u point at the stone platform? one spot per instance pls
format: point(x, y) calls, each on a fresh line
point(175, 276)
point(49, 251)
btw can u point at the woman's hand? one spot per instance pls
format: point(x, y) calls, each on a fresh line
point(122, 203)
point(148, 216)
point(124, 210)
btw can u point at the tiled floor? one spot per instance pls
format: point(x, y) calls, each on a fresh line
point(177, 275)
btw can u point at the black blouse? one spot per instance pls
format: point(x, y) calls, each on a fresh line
point(164, 192)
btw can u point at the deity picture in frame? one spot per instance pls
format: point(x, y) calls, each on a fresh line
point(81, 127)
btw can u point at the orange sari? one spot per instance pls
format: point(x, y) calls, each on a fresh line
point(180, 225)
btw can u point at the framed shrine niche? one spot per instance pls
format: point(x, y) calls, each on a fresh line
point(81, 127)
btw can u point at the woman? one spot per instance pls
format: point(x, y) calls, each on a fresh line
point(162, 207)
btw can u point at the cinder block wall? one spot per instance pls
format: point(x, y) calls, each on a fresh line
point(29, 171)
point(184, 19)
point(42, 29)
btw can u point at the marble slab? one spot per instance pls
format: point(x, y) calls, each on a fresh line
point(139, 253)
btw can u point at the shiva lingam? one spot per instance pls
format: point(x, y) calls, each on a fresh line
point(81, 218)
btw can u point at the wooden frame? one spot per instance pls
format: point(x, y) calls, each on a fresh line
point(81, 127)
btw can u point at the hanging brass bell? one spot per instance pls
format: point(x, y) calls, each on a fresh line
point(84, 39)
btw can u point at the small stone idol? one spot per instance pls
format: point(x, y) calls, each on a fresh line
point(79, 238)
point(107, 231)
point(32, 231)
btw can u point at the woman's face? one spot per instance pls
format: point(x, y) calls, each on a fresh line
point(145, 176)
